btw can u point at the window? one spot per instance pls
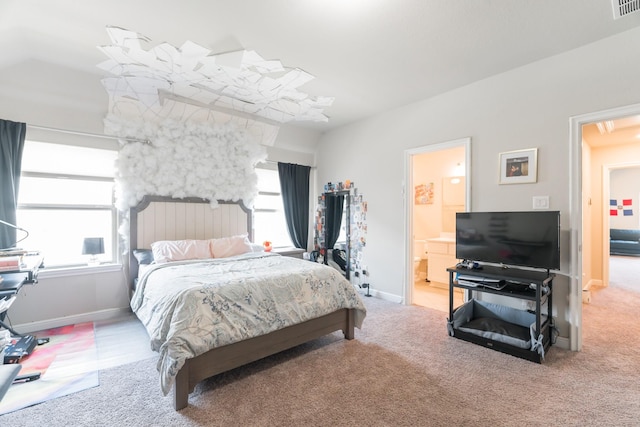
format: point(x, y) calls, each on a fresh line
point(66, 194)
point(269, 222)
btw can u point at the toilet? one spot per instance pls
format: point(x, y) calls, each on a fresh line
point(419, 259)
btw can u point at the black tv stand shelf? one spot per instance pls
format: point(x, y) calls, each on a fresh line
point(482, 329)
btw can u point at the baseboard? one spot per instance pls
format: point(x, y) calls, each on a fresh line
point(591, 283)
point(386, 296)
point(93, 316)
point(563, 343)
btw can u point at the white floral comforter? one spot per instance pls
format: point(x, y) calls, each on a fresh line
point(190, 307)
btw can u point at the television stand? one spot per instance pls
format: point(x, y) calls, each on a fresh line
point(522, 333)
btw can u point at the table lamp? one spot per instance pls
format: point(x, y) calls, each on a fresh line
point(93, 246)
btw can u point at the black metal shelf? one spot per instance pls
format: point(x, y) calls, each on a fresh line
point(530, 285)
point(510, 290)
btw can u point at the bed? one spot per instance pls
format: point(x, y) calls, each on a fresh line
point(207, 316)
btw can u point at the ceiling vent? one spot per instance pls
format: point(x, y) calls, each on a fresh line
point(624, 7)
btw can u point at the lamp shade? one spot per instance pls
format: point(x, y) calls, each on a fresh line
point(93, 246)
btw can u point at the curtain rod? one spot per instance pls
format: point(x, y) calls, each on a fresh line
point(275, 162)
point(95, 135)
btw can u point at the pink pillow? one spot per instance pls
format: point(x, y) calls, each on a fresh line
point(229, 246)
point(178, 250)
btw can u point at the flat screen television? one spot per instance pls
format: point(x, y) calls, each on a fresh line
point(528, 238)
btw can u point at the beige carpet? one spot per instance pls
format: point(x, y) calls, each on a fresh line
point(402, 369)
point(624, 272)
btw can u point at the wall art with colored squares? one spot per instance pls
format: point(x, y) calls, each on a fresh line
point(621, 207)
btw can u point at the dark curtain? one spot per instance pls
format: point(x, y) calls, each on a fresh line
point(11, 145)
point(334, 204)
point(294, 186)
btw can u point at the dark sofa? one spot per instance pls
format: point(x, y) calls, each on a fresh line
point(624, 242)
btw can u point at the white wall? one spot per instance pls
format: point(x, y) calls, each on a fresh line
point(589, 228)
point(75, 296)
point(625, 185)
point(523, 108)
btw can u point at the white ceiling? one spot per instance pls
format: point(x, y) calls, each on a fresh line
point(371, 55)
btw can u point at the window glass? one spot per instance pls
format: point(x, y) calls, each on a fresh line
point(342, 237)
point(65, 195)
point(57, 191)
point(67, 159)
point(272, 202)
point(268, 180)
point(269, 222)
point(59, 233)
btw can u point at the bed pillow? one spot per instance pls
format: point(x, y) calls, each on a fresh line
point(179, 250)
point(144, 256)
point(230, 246)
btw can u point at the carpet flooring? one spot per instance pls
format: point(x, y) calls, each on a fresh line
point(401, 370)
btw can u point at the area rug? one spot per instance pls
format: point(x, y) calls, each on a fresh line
point(68, 363)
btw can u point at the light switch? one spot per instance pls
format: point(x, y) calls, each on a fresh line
point(540, 202)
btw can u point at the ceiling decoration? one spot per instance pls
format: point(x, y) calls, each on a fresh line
point(239, 83)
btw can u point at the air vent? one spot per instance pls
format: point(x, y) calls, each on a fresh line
point(624, 7)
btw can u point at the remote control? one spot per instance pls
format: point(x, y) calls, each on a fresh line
point(25, 378)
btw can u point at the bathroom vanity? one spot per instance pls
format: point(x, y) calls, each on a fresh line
point(441, 254)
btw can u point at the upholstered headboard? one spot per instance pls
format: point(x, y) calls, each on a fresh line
point(165, 218)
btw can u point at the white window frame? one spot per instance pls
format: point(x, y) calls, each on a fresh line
point(111, 258)
point(285, 240)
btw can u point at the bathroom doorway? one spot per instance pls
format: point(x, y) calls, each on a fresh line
point(437, 188)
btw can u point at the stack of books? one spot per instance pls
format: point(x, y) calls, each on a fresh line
point(16, 252)
point(10, 263)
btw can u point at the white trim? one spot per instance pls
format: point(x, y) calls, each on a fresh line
point(563, 343)
point(575, 197)
point(591, 283)
point(606, 195)
point(408, 184)
point(77, 271)
point(384, 296)
point(92, 135)
point(112, 313)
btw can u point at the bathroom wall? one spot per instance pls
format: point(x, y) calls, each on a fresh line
point(435, 212)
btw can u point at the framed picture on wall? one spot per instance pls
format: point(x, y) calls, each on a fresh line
point(518, 167)
point(424, 194)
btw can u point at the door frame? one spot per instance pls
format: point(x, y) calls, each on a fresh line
point(575, 196)
point(408, 201)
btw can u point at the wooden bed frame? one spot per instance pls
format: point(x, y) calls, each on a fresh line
point(164, 218)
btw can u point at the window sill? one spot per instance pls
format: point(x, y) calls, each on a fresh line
point(47, 273)
point(289, 251)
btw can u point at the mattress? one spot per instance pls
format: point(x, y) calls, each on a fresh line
point(190, 307)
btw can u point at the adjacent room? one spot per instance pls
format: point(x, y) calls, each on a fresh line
point(319, 212)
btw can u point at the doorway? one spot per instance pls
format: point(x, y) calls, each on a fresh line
point(436, 188)
point(589, 238)
point(621, 189)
